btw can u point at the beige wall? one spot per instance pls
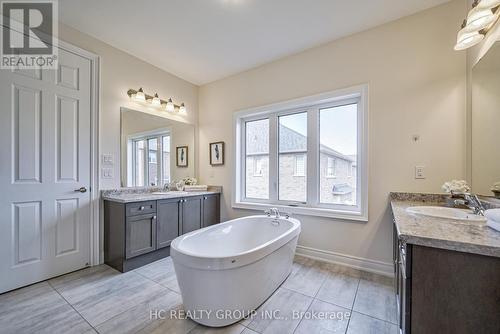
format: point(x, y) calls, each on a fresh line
point(417, 86)
point(120, 72)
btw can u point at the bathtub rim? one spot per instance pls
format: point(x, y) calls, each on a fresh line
point(235, 260)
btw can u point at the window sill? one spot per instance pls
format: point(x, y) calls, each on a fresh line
point(304, 211)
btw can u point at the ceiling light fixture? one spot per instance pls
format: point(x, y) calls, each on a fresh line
point(155, 101)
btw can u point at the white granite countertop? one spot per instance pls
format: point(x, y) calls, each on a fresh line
point(130, 195)
point(462, 236)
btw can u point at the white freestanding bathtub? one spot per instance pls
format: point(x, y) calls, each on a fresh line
point(226, 271)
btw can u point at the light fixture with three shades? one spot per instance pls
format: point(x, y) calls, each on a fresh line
point(481, 18)
point(155, 101)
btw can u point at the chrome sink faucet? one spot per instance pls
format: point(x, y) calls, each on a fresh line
point(471, 201)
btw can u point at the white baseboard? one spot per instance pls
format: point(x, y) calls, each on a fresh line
point(373, 266)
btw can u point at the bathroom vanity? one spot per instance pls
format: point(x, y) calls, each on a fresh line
point(139, 226)
point(447, 271)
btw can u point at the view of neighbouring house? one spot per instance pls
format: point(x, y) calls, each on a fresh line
point(337, 171)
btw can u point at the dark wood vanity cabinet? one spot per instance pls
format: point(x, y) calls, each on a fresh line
point(192, 214)
point(445, 291)
point(169, 221)
point(211, 210)
point(139, 233)
point(198, 212)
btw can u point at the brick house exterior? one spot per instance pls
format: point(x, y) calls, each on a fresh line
point(337, 171)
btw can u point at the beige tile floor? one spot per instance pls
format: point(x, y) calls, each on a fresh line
point(102, 300)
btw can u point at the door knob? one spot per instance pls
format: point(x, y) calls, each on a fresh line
point(81, 190)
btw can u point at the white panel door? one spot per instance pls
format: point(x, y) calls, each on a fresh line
point(45, 156)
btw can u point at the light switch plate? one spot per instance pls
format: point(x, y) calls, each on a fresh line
point(419, 172)
point(107, 159)
point(107, 173)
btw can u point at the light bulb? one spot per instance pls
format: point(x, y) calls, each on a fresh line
point(479, 18)
point(466, 39)
point(488, 4)
point(182, 108)
point(139, 96)
point(156, 101)
point(170, 105)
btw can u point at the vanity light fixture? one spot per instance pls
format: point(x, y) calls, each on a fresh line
point(479, 20)
point(155, 101)
point(488, 4)
point(182, 108)
point(466, 39)
point(170, 105)
point(139, 95)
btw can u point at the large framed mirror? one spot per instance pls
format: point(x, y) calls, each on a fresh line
point(155, 150)
point(485, 127)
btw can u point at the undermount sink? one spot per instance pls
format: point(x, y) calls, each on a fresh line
point(447, 213)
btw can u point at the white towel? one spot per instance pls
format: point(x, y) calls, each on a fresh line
point(493, 215)
point(493, 225)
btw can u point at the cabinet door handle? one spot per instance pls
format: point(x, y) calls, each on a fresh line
point(141, 208)
point(154, 217)
point(205, 197)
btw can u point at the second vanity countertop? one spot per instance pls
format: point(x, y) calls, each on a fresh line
point(131, 195)
point(462, 236)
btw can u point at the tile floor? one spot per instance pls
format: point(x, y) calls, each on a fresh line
point(102, 300)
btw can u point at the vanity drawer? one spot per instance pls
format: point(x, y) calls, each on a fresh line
point(140, 208)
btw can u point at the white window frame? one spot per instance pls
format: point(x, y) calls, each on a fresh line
point(304, 160)
point(312, 104)
point(131, 170)
point(257, 172)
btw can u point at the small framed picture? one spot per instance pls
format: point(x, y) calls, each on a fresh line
point(217, 153)
point(181, 155)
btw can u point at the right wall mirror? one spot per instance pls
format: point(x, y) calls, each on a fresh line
point(485, 126)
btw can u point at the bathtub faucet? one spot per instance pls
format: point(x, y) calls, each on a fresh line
point(272, 211)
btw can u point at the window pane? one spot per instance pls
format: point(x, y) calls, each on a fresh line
point(166, 159)
point(257, 159)
point(152, 161)
point(338, 154)
point(139, 163)
point(300, 165)
point(293, 157)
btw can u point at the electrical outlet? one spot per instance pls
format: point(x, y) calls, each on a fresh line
point(107, 173)
point(419, 172)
